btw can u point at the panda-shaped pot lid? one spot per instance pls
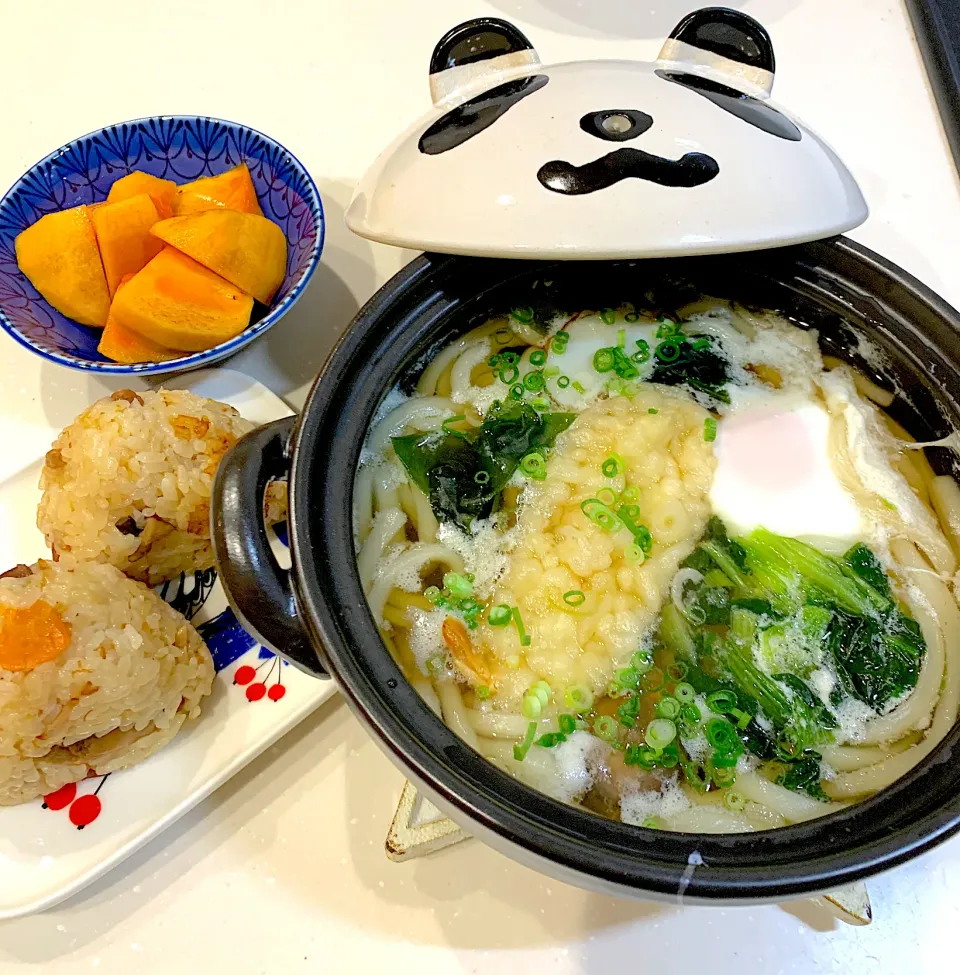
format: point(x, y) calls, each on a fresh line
point(606, 159)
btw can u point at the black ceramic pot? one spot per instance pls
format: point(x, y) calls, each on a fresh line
point(317, 617)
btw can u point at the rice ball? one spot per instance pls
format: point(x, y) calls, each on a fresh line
point(96, 673)
point(128, 483)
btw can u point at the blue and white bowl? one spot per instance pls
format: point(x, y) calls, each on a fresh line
point(177, 147)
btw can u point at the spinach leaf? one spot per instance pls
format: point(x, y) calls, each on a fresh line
point(464, 474)
point(804, 776)
point(698, 364)
point(862, 562)
point(876, 660)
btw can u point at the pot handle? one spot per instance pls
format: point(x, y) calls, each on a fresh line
point(258, 590)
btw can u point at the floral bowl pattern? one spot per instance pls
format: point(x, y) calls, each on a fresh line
point(177, 147)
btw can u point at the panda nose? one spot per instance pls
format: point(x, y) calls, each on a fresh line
point(616, 124)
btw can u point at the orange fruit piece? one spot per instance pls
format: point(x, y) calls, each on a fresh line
point(123, 233)
point(232, 190)
point(249, 251)
point(59, 255)
point(161, 191)
point(178, 303)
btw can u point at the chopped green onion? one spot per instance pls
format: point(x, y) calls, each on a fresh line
point(627, 678)
point(432, 593)
point(500, 615)
point(722, 735)
point(603, 360)
point(551, 739)
point(660, 732)
point(540, 404)
point(722, 701)
point(534, 381)
point(651, 822)
point(685, 694)
point(700, 344)
point(578, 386)
point(652, 411)
point(493, 361)
point(436, 664)
point(723, 777)
point(538, 357)
point(677, 670)
point(630, 494)
point(631, 316)
point(600, 515)
point(606, 727)
point(579, 697)
point(612, 466)
point(633, 554)
point(516, 392)
point(607, 496)
point(521, 632)
point(734, 801)
point(509, 358)
point(696, 776)
point(531, 706)
point(621, 337)
point(741, 717)
point(642, 661)
point(725, 760)
point(709, 429)
point(668, 350)
point(520, 751)
point(574, 597)
point(628, 711)
point(642, 354)
point(509, 374)
point(568, 724)
point(550, 371)
point(534, 465)
point(689, 717)
point(608, 316)
point(543, 691)
point(457, 584)
point(481, 477)
point(563, 382)
point(644, 538)
point(523, 314)
point(668, 707)
point(483, 692)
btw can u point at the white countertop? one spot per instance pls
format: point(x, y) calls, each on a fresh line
point(283, 869)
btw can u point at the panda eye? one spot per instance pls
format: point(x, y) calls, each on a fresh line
point(616, 124)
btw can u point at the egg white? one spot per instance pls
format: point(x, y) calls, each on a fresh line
point(774, 470)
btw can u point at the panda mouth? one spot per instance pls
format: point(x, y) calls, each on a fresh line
point(691, 169)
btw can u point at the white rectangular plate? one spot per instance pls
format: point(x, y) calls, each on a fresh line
point(47, 853)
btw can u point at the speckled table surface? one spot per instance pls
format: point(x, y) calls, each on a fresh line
point(283, 869)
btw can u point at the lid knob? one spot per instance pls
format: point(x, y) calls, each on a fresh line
point(486, 49)
point(727, 42)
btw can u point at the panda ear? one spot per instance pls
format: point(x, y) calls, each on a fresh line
point(485, 49)
point(728, 43)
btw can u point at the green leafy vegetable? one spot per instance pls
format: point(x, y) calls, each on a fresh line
point(768, 612)
point(445, 465)
point(866, 565)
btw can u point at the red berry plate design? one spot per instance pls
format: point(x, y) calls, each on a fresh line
point(257, 685)
point(82, 809)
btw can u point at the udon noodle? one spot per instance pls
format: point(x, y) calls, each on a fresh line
point(681, 570)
